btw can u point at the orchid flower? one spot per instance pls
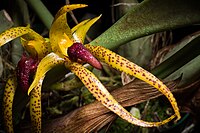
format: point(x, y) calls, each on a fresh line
point(65, 46)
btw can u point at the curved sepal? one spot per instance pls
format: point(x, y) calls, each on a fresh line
point(35, 108)
point(34, 43)
point(80, 30)
point(60, 29)
point(122, 64)
point(68, 8)
point(64, 45)
point(12, 34)
point(103, 96)
point(47, 63)
point(37, 48)
point(9, 93)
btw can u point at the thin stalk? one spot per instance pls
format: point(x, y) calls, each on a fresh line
point(42, 12)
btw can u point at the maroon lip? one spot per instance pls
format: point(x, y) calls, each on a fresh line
point(25, 68)
point(78, 51)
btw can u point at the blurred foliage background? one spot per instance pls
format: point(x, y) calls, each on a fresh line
point(161, 36)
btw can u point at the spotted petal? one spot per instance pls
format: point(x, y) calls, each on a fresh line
point(35, 108)
point(36, 47)
point(103, 96)
point(46, 64)
point(80, 30)
point(128, 67)
point(60, 29)
point(68, 8)
point(12, 34)
point(9, 93)
point(35, 44)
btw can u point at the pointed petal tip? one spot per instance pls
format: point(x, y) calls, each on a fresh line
point(83, 5)
point(29, 91)
point(95, 63)
point(99, 16)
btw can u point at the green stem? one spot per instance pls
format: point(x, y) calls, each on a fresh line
point(42, 12)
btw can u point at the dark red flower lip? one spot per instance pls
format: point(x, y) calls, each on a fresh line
point(25, 69)
point(78, 51)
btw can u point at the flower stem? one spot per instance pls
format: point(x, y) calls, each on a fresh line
point(42, 12)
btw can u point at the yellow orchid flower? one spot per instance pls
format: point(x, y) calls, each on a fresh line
point(65, 46)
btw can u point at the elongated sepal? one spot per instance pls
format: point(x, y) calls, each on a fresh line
point(80, 30)
point(103, 96)
point(8, 97)
point(12, 34)
point(124, 65)
point(60, 29)
point(68, 8)
point(47, 63)
point(36, 45)
point(37, 48)
point(35, 108)
point(60, 33)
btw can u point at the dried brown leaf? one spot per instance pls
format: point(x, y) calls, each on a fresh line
point(94, 116)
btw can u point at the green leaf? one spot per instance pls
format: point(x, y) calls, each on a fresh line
point(185, 54)
point(190, 72)
point(5, 21)
point(149, 17)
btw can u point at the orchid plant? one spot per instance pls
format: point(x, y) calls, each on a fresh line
point(65, 46)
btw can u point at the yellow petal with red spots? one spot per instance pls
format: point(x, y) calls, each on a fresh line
point(60, 28)
point(57, 33)
point(122, 64)
point(12, 34)
point(103, 96)
point(80, 30)
point(34, 43)
point(32, 35)
point(8, 97)
point(46, 64)
point(35, 108)
point(37, 48)
point(68, 8)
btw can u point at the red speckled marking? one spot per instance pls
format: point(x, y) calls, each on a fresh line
point(46, 64)
point(60, 27)
point(35, 108)
point(25, 67)
point(103, 96)
point(8, 97)
point(128, 67)
point(13, 33)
